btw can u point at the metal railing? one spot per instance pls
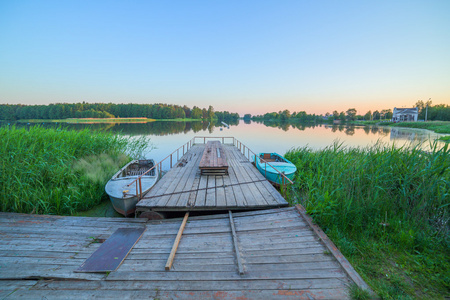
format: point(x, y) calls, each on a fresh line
point(242, 148)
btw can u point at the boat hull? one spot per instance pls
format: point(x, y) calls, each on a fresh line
point(125, 207)
point(276, 164)
point(122, 190)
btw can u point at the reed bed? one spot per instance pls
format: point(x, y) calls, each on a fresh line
point(56, 171)
point(386, 208)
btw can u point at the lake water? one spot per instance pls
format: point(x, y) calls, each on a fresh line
point(168, 136)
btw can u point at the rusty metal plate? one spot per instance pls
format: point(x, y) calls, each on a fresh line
point(113, 251)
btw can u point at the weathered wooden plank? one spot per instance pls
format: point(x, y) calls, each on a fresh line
point(211, 192)
point(190, 285)
point(230, 198)
point(191, 184)
point(157, 294)
point(210, 266)
point(177, 177)
point(247, 188)
point(220, 192)
point(200, 200)
point(33, 271)
point(176, 243)
point(185, 183)
point(258, 197)
point(113, 251)
point(7, 287)
point(276, 275)
point(236, 245)
point(237, 190)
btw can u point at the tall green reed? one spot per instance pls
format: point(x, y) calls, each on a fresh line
point(40, 169)
point(399, 195)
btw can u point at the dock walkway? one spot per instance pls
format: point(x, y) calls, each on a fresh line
point(281, 256)
point(184, 188)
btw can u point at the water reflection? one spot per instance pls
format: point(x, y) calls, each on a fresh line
point(407, 134)
point(157, 128)
point(258, 136)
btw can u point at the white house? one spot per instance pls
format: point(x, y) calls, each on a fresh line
point(405, 114)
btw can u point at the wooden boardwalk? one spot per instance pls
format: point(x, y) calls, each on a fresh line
point(281, 255)
point(183, 188)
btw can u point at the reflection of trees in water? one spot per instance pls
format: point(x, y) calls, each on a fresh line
point(383, 131)
point(350, 130)
point(285, 125)
point(154, 128)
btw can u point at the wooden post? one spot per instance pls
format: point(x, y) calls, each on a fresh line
point(140, 188)
point(204, 140)
point(137, 193)
point(171, 161)
point(175, 244)
point(222, 140)
point(183, 149)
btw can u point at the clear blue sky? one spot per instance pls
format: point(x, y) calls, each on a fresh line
point(240, 56)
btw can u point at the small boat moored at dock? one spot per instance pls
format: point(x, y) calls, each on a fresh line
point(272, 164)
point(121, 188)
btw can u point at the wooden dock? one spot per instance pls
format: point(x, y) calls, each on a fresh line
point(264, 254)
point(184, 188)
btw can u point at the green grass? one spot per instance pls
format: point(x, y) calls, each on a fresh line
point(436, 126)
point(387, 209)
point(89, 120)
point(55, 171)
point(445, 139)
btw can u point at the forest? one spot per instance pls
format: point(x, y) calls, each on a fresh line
point(110, 110)
point(439, 112)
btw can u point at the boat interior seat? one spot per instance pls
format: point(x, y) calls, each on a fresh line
point(267, 157)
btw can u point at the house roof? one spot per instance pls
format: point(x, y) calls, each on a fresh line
point(414, 110)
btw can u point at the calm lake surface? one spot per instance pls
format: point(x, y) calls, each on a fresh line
point(168, 136)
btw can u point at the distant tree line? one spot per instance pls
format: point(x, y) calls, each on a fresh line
point(109, 110)
point(440, 112)
point(286, 115)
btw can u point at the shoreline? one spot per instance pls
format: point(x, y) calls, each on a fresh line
point(103, 120)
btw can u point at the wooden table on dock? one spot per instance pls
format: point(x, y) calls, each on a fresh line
point(213, 161)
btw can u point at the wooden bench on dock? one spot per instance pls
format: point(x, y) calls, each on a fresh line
point(214, 161)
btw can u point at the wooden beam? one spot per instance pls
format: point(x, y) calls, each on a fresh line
point(236, 245)
point(175, 244)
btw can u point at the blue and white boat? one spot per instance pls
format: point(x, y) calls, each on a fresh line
point(272, 164)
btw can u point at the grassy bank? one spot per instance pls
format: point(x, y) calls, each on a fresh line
point(89, 120)
point(55, 171)
point(386, 209)
point(436, 126)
